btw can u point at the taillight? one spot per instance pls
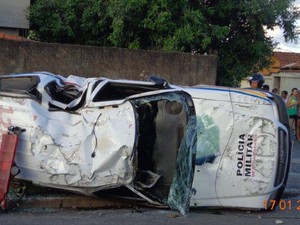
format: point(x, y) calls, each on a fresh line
point(7, 155)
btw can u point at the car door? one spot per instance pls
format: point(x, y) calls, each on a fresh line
point(214, 129)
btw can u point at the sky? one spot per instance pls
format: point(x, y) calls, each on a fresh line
point(278, 37)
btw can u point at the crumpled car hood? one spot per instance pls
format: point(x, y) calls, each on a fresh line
point(78, 153)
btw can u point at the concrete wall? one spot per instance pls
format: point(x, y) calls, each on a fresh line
point(177, 68)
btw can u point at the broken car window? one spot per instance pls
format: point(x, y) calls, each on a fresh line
point(64, 94)
point(20, 85)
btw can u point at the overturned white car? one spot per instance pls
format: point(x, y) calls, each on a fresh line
point(179, 146)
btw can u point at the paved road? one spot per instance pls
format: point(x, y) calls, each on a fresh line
point(148, 216)
point(293, 184)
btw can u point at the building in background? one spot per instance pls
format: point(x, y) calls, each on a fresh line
point(14, 17)
point(283, 74)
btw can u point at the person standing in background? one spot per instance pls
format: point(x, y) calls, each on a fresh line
point(256, 81)
point(284, 95)
point(292, 108)
point(274, 90)
point(266, 87)
point(298, 120)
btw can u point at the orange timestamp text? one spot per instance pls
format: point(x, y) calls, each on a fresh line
point(282, 204)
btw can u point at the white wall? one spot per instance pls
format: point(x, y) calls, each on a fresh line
point(13, 13)
point(290, 81)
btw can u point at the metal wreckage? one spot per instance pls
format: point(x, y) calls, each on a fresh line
point(177, 146)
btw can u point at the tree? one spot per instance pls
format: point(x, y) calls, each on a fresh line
point(245, 48)
point(232, 29)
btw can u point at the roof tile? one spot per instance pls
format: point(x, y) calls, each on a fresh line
point(283, 62)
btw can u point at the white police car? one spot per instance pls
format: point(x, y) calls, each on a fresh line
point(171, 145)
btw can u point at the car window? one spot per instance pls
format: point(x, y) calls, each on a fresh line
point(118, 91)
point(20, 85)
point(64, 94)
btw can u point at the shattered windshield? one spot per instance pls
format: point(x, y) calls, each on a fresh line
point(180, 191)
point(200, 145)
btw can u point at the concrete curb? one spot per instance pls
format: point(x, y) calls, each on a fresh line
point(69, 202)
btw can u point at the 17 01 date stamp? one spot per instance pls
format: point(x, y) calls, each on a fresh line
point(282, 204)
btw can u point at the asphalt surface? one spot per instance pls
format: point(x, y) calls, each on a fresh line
point(293, 184)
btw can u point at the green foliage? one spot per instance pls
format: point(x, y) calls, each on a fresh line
point(232, 29)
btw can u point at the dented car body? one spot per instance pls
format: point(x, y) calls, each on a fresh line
point(171, 145)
